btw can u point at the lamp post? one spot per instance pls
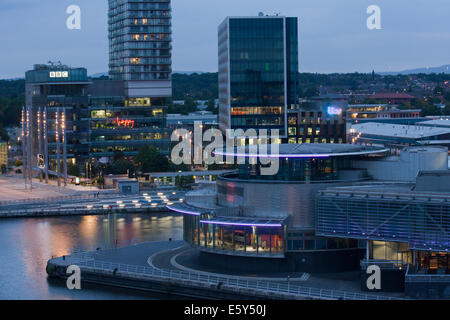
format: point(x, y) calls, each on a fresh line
point(45, 144)
point(24, 153)
point(64, 144)
point(29, 141)
point(58, 164)
point(39, 130)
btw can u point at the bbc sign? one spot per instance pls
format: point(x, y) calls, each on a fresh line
point(59, 74)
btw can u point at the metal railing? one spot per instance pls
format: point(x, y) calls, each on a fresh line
point(86, 196)
point(60, 210)
point(86, 261)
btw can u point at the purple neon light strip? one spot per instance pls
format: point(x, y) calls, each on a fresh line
point(311, 155)
point(245, 155)
point(241, 224)
point(183, 211)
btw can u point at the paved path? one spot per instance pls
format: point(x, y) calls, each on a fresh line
point(166, 256)
point(13, 188)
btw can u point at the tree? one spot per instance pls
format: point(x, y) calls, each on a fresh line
point(212, 106)
point(190, 105)
point(3, 134)
point(150, 160)
point(311, 92)
point(73, 170)
point(121, 166)
point(118, 155)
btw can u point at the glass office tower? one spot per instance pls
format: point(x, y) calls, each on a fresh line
point(140, 46)
point(258, 65)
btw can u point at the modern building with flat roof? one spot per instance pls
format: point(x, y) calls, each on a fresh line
point(98, 118)
point(325, 212)
point(101, 117)
point(270, 220)
point(360, 113)
point(399, 135)
point(320, 119)
point(405, 227)
point(258, 66)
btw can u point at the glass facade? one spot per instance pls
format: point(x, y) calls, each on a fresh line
point(421, 220)
point(121, 124)
point(237, 239)
point(298, 169)
point(258, 65)
point(140, 39)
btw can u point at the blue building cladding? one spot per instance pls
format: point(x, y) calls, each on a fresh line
point(421, 220)
point(258, 66)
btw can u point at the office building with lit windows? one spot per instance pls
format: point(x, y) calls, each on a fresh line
point(98, 118)
point(56, 94)
point(320, 119)
point(258, 66)
point(124, 113)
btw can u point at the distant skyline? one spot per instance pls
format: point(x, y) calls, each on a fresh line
point(333, 36)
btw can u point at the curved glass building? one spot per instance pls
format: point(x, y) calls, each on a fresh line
point(268, 222)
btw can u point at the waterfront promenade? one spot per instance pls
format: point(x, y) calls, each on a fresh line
point(12, 188)
point(49, 200)
point(154, 267)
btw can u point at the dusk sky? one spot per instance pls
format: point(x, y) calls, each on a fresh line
point(333, 36)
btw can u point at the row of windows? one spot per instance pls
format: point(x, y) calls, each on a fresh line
point(314, 140)
point(322, 244)
point(150, 37)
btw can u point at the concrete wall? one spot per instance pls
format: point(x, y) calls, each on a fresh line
point(407, 165)
point(268, 199)
point(437, 181)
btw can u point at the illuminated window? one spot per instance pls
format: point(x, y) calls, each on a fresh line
point(292, 131)
point(135, 21)
point(138, 102)
point(135, 60)
point(309, 131)
point(292, 140)
point(300, 140)
point(144, 21)
point(316, 140)
point(340, 140)
point(308, 140)
point(332, 140)
point(98, 114)
point(145, 36)
point(317, 131)
point(292, 120)
point(136, 37)
point(324, 140)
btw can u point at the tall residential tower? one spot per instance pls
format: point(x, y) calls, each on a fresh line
point(140, 46)
point(258, 66)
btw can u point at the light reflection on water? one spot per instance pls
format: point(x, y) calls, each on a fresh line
point(27, 244)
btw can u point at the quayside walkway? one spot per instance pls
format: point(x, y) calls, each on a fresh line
point(133, 267)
